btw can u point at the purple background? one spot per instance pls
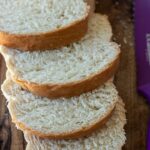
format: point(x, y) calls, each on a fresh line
point(142, 27)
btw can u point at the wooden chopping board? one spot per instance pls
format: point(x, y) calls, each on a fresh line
point(120, 15)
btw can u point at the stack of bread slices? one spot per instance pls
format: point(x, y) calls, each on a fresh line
point(59, 83)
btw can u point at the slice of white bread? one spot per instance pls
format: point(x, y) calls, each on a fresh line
point(60, 118)
point(42, 24)
point(70, 71)
point(109, 137)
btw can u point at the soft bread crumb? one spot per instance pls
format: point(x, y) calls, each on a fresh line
point(75, 62)
point(32, 16)
point(110, 137)
point(51, 116)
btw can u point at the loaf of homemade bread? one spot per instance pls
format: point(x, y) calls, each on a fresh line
point(60, 118)
point(42, 24)
point(109, 137)
point(69, 71)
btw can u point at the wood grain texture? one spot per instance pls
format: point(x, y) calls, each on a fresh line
point(120, 14)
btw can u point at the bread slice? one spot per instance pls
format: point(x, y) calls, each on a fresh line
point(33, 25)
point(110, 137)
point(70, 71)
point(60, 118)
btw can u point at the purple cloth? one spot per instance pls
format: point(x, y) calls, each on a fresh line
point(142, 42)
point(142, 39)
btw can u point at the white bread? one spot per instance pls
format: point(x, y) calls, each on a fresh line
point(110, 137)
point(60, 118)
point(69, 71)
point(42, 24)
